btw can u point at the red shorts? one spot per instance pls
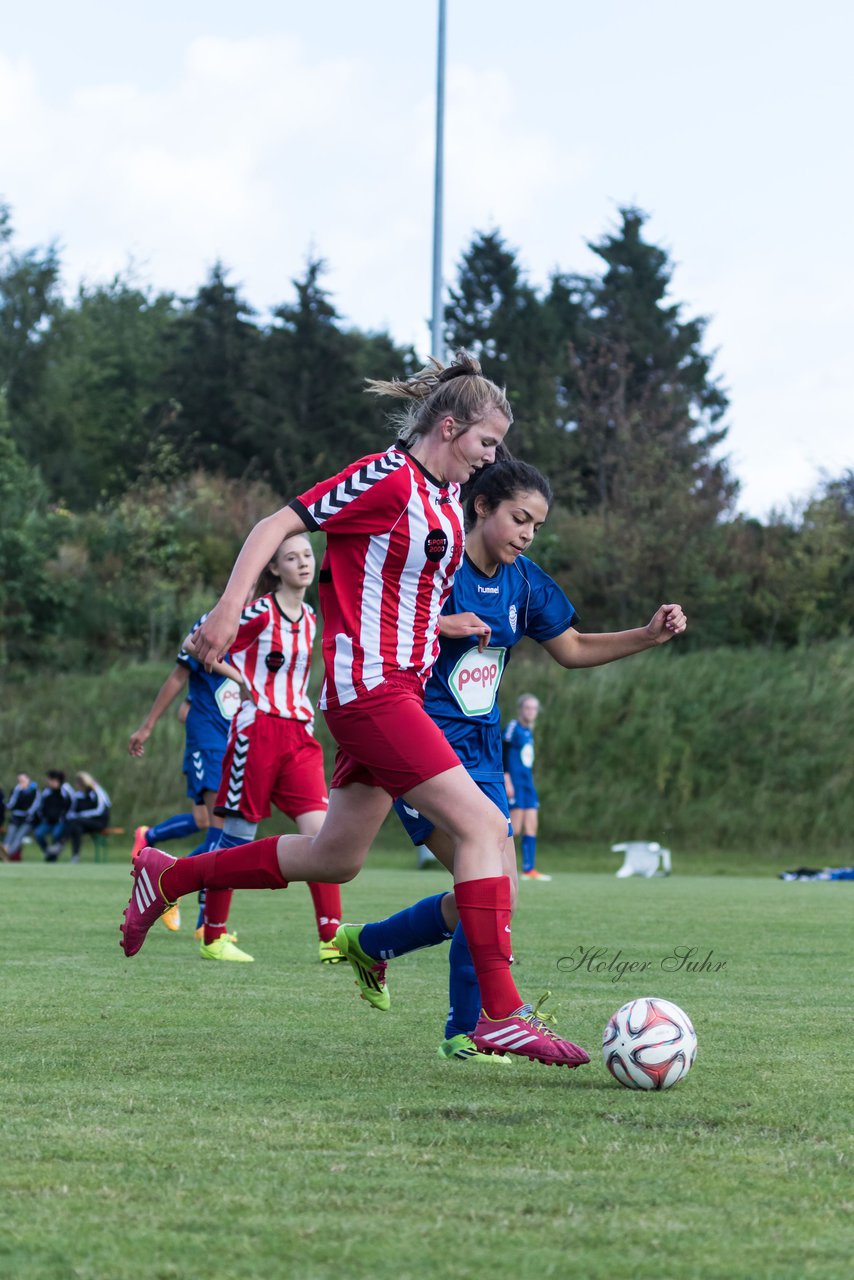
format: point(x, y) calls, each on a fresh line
point(269, 758)
point(386, 738)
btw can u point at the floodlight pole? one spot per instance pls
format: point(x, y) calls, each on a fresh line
point(437, 342)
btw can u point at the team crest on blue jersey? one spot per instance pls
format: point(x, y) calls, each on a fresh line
point(512, 618)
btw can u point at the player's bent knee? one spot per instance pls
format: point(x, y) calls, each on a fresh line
point(345, 874)
point(339, 868)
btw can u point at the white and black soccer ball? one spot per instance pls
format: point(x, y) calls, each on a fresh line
point(649, 1044)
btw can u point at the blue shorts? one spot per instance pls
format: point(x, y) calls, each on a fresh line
point(524, 792)
point(203, 768)
point(419, 828)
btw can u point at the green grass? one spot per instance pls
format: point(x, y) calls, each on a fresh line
point(166, 1117)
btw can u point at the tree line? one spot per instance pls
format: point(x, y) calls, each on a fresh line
point(142, 433)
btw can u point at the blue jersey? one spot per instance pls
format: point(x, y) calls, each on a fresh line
point(214, 700)
point(518, 750)
point(462, 692)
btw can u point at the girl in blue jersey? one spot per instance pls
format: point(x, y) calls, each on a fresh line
point(498, 597)
point(519, 781)
point(211, 699)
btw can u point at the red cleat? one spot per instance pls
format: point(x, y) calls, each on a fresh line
point(526, 1034)
point(147, 902)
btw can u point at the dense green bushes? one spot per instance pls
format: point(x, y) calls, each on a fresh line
point(744, 750)
point(727, 749)
point(141, 434)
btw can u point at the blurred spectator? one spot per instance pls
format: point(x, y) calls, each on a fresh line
point(20, 811)
point(519, 781)
point(89, 812)
point(53, 805)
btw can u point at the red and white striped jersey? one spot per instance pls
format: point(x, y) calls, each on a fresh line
point(272, 652)
point(394, 540)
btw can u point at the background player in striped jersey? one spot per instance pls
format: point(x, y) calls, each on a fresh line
point(394, 532)
point(498, 597)
point(518, 739)
point(213, 699)
point(272, 754)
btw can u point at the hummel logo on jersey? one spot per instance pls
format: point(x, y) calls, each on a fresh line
point(487, 591)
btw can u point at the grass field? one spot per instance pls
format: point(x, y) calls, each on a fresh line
point(168, 1117)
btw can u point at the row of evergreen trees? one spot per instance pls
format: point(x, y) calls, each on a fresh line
point(140, 434)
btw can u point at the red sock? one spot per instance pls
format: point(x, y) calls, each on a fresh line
point(217, 907)
point(484, 907)
point(248, 866)
point(327, 909)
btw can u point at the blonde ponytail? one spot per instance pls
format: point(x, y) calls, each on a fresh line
point(458, 390)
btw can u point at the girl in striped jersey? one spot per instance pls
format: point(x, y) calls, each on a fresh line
point(394, 530)
point(272, 754)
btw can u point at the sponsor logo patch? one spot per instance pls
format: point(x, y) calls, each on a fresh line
point(435, 545)
point(228, 699)
point(475, 679)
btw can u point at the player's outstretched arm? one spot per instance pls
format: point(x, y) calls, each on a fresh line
point(212, 639)
point(456, 626)
point(230, 673)
point(174, 684)
point(227, 670)
point(576, 649)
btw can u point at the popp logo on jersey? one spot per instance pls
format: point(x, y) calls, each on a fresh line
point(228, 699)
point(475, 679)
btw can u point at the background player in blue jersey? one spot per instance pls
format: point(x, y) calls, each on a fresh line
point(519, 781)
point(498, 597)
point(213, 699)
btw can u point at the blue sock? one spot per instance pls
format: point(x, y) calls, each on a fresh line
point(420, 925)
point(463, 989)
point(183, 824)
point(210, 841)
point(529, 852)
point(229, 841)
point(215, 838)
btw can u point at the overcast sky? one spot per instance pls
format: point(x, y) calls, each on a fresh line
point(257, 134)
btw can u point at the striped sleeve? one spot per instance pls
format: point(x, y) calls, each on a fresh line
point(253, 620)
point(355, 498)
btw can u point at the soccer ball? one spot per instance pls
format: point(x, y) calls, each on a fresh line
point(649, 1044)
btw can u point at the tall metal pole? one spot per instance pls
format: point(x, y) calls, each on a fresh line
point(436, 339)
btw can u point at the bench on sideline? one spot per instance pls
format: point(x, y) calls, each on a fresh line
point(100, 841)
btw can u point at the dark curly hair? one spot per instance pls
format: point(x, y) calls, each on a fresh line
point(503, 480)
